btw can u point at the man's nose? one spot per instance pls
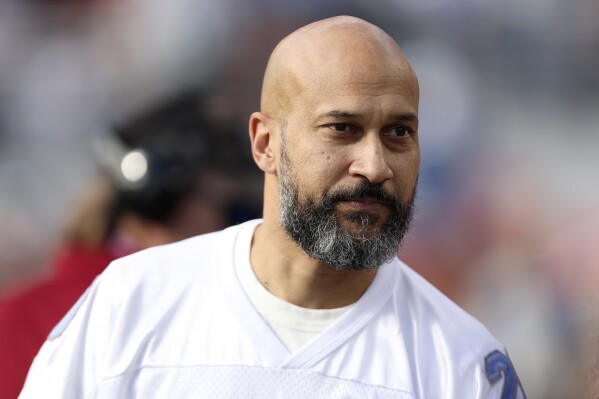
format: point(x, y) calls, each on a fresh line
point(370, 160)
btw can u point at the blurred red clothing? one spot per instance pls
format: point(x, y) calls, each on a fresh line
point(28, 315)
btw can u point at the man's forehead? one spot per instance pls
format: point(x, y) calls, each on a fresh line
point(357, 92)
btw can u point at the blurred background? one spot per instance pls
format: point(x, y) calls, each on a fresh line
point(508, 215)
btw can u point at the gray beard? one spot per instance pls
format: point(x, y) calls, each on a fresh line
point(314, 226)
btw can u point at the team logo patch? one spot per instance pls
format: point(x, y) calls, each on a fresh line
point(66, 320)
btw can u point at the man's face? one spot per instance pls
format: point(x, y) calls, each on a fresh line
point(349, 166)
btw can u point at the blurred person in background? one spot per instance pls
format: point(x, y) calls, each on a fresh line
point(576, 246)
point(166, 176)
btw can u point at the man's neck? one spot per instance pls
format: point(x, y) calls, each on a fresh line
point(290, 274)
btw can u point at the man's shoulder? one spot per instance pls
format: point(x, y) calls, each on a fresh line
point(443, 345)
point(429, 308)
point(181, 261)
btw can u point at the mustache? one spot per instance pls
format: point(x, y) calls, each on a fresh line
point(363, 191)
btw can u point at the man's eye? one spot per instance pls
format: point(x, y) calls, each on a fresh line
point(341, 127)
point(399, 131)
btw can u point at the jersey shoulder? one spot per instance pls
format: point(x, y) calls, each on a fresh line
point(447, 345)
point(177, 263)
point(429, 308)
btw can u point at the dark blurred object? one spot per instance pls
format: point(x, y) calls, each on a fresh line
point(175, 151)
point(158, 156)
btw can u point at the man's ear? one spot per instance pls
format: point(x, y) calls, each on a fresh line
point(260, 138)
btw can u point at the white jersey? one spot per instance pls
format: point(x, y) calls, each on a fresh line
point(174, 322)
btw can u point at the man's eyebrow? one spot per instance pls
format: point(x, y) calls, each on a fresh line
point(338, 114)
point(405, 117)
point(401, 117)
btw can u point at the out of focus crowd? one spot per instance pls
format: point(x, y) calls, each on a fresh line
point(508, 206)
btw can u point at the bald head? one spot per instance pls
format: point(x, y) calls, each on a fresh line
point(321, 54)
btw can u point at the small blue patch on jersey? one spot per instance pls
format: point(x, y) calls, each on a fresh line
point(498, 365)
point(66, 320)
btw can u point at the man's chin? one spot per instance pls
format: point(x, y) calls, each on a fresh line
point(360, 230)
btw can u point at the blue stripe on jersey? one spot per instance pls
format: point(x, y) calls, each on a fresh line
point(66, 320)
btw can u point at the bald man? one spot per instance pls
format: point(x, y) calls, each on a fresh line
point(310, 301)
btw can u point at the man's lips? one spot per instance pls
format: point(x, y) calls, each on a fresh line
point(364, 204)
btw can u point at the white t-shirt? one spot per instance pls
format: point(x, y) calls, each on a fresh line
point(174, 322)
point(295, 326)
